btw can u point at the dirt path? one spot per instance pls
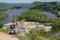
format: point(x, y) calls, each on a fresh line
point(4, 36)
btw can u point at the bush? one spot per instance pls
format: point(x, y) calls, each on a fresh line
point(1, 25)
point(7, 30)
point(55, 26)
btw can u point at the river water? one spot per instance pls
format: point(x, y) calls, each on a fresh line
point(19, 11)
point(13, 12)
point(50, 14)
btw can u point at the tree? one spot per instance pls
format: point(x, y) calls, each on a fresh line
point(34, 16)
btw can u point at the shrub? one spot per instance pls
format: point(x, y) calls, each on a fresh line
point(1, 25)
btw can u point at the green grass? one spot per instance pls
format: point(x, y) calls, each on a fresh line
point(5, 30)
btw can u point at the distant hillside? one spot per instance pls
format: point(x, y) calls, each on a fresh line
point(45, 5)
point(14, 4)
point(3, 4)
point(53, 7)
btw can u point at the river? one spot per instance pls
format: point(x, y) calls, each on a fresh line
point(13, 12)
point(50, 14)
point(19, 11)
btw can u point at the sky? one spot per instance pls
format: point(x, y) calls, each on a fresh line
point(26, 1)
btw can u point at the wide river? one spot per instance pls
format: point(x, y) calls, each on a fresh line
point(19, 11)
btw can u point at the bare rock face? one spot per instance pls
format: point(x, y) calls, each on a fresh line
point(47, 28)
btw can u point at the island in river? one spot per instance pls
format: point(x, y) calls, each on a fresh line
point(3, 15)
